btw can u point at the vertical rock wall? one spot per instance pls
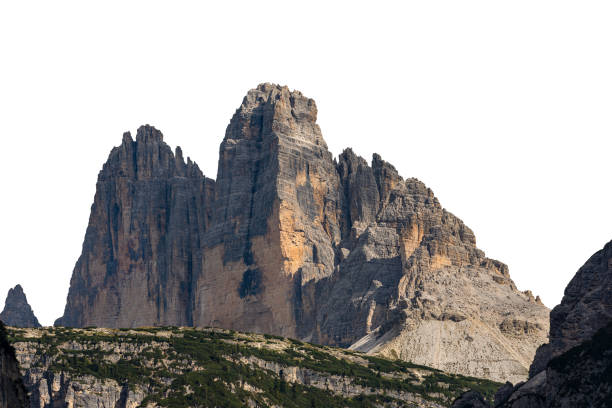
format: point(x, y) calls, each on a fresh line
point(142, 249)
point(12, 391)
point(290, 241)
point(275, 215)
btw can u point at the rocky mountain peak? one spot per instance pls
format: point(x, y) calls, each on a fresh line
point(147, 157)
point(384, 170)
point(291, 242)
point(275, 111)
point(142, 245)
point(147, 134)
point(17, 312)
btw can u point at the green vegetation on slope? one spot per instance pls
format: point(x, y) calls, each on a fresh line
point(180, 367)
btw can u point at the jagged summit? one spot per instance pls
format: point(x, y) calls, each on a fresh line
point(148, 134)
point(275, 111)
point(142, 245)
point(17, 312)
point(290, 241)
point(147, 157)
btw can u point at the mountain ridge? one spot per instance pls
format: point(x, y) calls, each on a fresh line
point(291, 241)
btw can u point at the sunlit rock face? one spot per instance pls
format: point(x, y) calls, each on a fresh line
point(275, 218)
point(293, 242)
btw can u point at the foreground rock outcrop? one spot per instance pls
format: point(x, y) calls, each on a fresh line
point(12, 391)
point(575, 368)
point(293, 242)
point(17, 311)
point(585, 308)
point(579, 377)
point(183, 367)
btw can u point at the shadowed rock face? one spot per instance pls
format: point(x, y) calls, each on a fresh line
point(578, 377)
point(12, 391)
point(585, 308)
point(290, 241)
point(17, 312)
point(142, 249)
point(470, 399)
point(575, 368)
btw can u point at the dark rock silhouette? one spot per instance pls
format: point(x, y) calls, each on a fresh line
point(585, 308)
point(470, 399)
point(12, 391)
point(575, 368)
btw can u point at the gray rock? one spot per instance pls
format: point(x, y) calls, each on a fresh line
point(142, 250)
point(291, 242)
point(470, 399)
point(575, 368)
point(17, 311)
point(12, 390)
point(585, 308)
point(503, 393)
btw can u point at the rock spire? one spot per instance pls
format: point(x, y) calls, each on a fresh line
point(17, 312)
point(290, 241)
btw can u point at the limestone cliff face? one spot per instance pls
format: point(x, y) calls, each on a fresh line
point(585, 308)
point(292, 242)
point(142, 247)
point(17, 311)
point(12, 391)
point(412, 284)
point(274, 218)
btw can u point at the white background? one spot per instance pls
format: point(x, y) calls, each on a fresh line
point(501, 107)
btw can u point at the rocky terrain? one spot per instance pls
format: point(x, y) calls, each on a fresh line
point(142, 247)
point(292, 242)
point(17, 311)
point(186, 367)
point(585, 308)
point(12, 391)
point(575, 368)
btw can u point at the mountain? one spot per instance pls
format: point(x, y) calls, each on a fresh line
point(142, 247)
point(292, 242)
point(575, 368)
point(17, 312)
point(12, 391)
point(186, 367)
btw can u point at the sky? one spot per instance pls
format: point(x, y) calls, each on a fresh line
point(503, 108)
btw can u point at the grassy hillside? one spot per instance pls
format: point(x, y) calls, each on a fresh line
point(186, 367)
